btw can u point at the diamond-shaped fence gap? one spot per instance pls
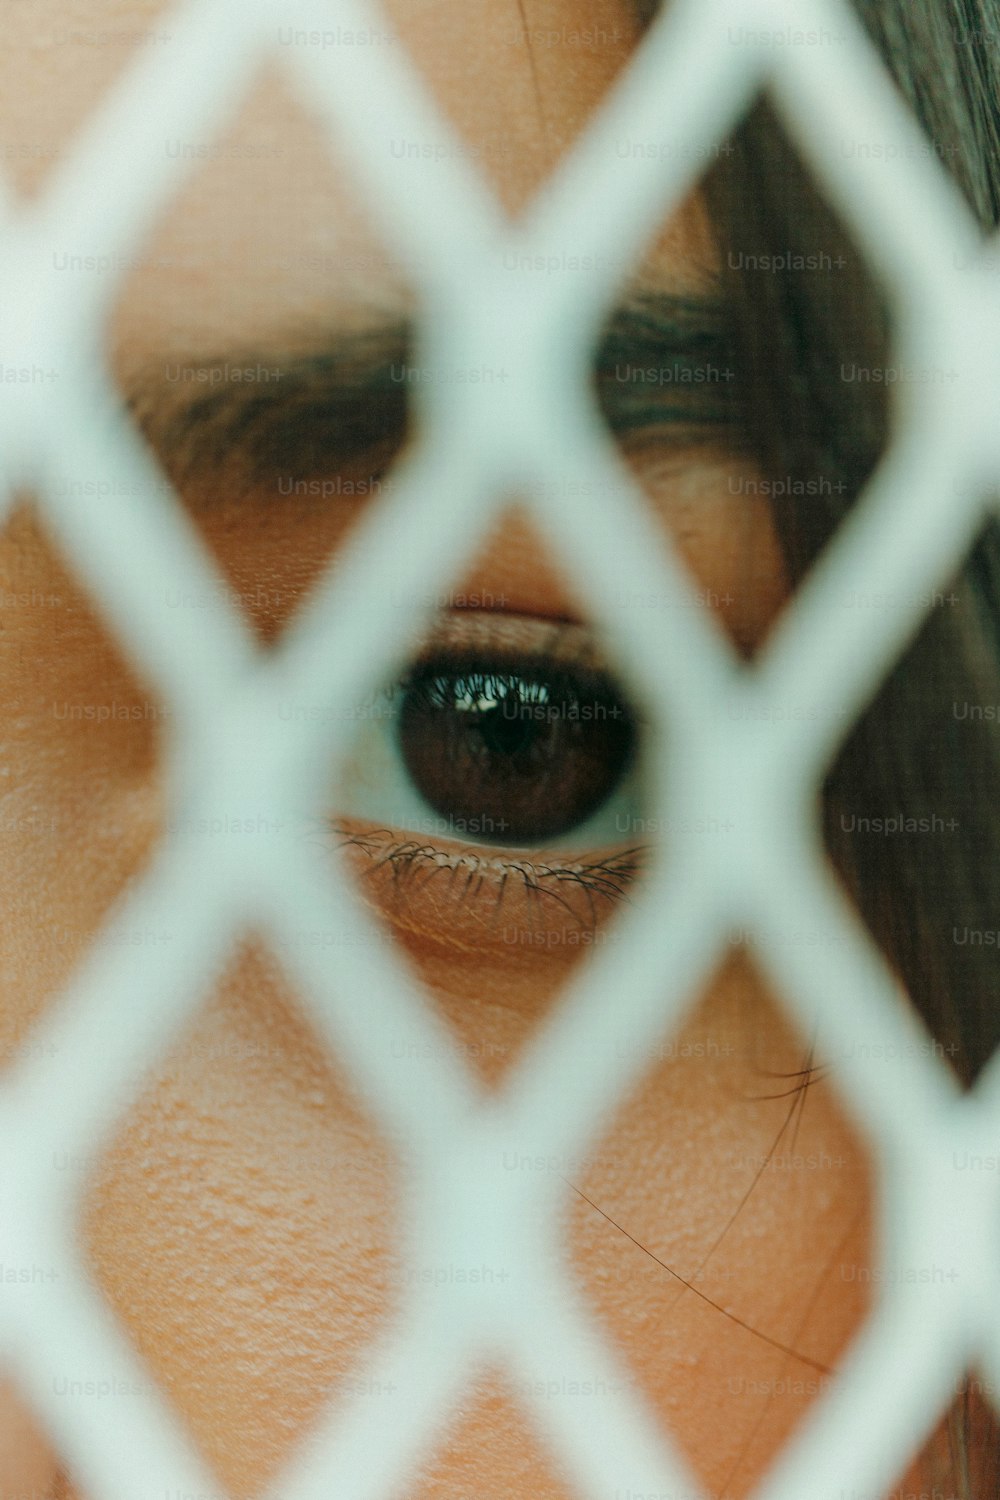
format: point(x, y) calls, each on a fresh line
point(908, 809)
point(530, 82)
point(87, 56)
point(961, 1457)
point(81, 777)
point(922, 1327)
point(941, 415)
point(262, 343)
point(746, 372)
point(241, 1225)
point(721, 1227)
point(491, 1447)
point(974, 1432)
point(493, 808)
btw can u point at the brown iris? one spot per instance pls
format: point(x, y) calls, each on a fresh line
point(514, 756)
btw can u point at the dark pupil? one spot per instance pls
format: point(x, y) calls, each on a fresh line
point(506, 729)
point(514, 758)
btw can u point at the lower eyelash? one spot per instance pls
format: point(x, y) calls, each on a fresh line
point(608, 879)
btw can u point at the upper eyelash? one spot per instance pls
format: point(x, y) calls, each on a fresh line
point(424, 678)
point(491, 644)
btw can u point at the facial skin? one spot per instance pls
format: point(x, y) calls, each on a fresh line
point(243, 1225)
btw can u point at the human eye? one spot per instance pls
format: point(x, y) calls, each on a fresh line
point(504, 732)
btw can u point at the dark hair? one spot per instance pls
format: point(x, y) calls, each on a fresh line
point(913, 752)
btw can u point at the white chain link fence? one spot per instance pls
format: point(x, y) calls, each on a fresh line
point(476, 446)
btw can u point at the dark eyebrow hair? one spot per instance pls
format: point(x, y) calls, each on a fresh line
point(664, 370)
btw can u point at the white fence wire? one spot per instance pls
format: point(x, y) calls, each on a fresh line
point(476, 446)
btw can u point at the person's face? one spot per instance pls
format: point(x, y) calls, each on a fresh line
point(244, 1224)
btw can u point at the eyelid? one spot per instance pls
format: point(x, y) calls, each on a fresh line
point(508, 638)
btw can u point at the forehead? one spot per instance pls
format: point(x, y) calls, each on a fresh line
point(518, 80)
point(269, 228)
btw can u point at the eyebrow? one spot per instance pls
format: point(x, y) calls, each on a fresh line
point(665, 370)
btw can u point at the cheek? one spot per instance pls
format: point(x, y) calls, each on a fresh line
point(78, 758)
point(244, 1224)
point(721, 1230)
point(244, 1228)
